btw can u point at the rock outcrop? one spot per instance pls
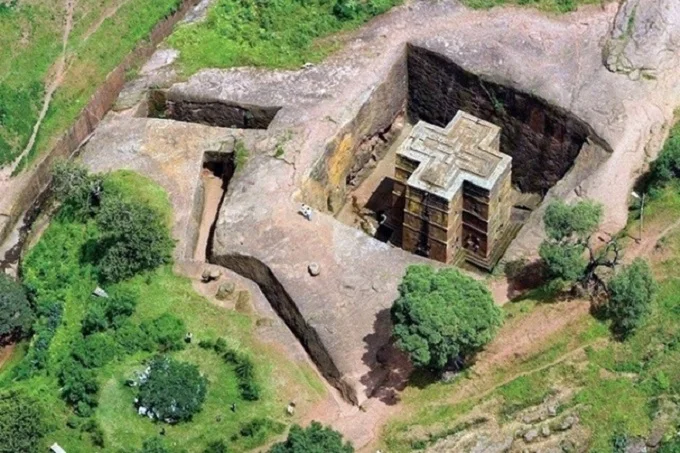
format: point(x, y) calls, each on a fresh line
point(644, 39)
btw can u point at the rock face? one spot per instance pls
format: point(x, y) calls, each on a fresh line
point(645, 38)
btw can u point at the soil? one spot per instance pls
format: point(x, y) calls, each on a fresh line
point(6, 353)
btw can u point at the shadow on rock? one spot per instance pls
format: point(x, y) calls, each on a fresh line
point(390, 367)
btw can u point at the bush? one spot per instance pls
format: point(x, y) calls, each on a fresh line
point(132, 338)
point(174, 391)
point(78, 191)
point(630, 296)
point(133, 239)
point(79, 387)
point(16, 313)
point(666, 167)
point(108, 313)
point(22, 425)
point(568, 228)
point(154, 445)
point(167, 331)
point(217, 446)
point(245, 373)
point(45, 328)
point(95, 350)
point(442, 316)
point(313, 439)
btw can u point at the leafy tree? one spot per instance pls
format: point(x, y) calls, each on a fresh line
point(22, 425)
point(569, 228)
point(442, 316)
point(316, 438)
point(16, 314)
point(217, 446)
point(630, 295)
point(78, 191)
point(174, 391)
point(134, 238)
point(112, 312)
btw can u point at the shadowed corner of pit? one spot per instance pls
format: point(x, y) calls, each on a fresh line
point(390, 368)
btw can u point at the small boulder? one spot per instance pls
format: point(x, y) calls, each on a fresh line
point(568, 422)
point(215, 274)
point(314, 269)
point(545, 431)
point(99, 292)
point(209, 275)
point(530, 435)
point(225, 290)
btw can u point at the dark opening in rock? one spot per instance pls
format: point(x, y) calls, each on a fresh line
point(218, 169)
point(210, 113)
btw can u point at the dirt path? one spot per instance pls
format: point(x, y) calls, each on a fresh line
point(58, 71)
point(6, 353)
point(110, 12)
point(645, 247)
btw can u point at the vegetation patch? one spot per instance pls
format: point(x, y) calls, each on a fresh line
point(556, 6)
point(278, 34)
point(86, 346)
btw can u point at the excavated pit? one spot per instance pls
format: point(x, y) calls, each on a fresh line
point(166, 105)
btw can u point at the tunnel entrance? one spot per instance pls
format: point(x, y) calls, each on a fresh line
point(210, 113)
point(217, 171)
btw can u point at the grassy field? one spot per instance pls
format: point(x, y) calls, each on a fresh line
point(31, 44)
point(276, 34)
point(620, 390)
point(160, 292)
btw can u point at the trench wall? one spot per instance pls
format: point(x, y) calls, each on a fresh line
point(255, 270)
point(542, 139)
point(39, 177)
point(326, 187)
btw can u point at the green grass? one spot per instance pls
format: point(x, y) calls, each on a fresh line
point(53, 268)
point(277, 33)
point(30, 44)
point(557, 6)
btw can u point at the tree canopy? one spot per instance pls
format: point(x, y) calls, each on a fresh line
point(315, 438)
point(173, 391)
point(16, 314)
point(442, 315)
point(21, 423)
point(568, 228)
point(630, 295)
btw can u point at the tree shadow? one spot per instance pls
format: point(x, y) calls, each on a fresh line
point(525, 278)
point(389, 367)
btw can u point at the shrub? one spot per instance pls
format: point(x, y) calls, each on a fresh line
point(666, 167)
point(174, 391)
point(22, 425)
point(217, 446)
point(95, 350)
point(630, 296)
point(108, 313)
point(16, 314)
point(568, 228)
point(313, 439)
point(79, 387)
point(133, 239)
point(132, 338)
point(442, 316)
point(167, 331)
point(245, 373)
point(78, 191)
point(45, 328)
point(154, 445)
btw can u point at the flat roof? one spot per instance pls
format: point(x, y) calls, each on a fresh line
point(449, 156)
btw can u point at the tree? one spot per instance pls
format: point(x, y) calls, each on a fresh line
point(442, 316)
point(569, 228)
point(78, 191)
point(134, 238)
point(16, 313)
point(316, 438)
point(22, 426)
point(173, 391)
point(630, 295)
point(154, 445)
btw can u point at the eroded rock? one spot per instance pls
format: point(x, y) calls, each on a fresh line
point(644, 39)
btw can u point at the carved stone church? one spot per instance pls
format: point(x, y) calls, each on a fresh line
point(451, 197)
